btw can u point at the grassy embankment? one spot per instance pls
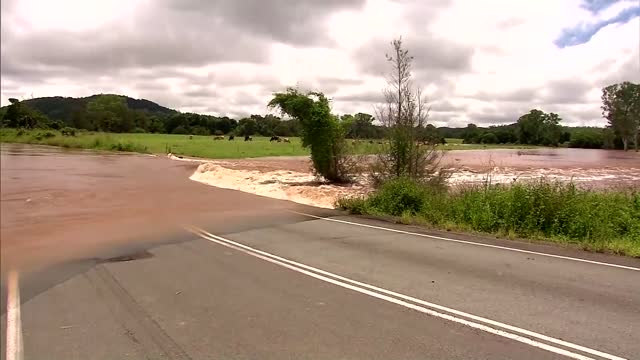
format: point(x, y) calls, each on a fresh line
point(602, 221)
point(198, 146)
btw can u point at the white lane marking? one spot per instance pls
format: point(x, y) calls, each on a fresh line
point(362, 288)
point(204, 233)
point(14, 327)
point(470, 242)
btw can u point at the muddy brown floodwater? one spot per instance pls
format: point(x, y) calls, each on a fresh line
point(59, 205)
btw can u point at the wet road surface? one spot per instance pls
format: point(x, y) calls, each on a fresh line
point(123, 279)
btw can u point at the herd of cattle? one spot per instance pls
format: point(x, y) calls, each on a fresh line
point(249, 138)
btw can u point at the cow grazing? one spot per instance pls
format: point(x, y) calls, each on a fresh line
point(275, 138)
point(218, 137)
point(231, 137)
point(286, 140)
point(248, 138)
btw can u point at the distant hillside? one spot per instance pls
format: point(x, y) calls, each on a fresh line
point(63, 108)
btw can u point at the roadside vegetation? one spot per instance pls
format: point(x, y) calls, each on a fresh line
point(411, 186)
point(603, 221)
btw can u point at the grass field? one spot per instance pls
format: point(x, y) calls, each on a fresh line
point(197, 146)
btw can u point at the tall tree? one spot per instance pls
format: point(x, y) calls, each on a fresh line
point(539, 128)
point(621, 108)
point(404, 111)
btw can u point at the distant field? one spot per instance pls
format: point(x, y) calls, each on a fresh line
point(197, 146)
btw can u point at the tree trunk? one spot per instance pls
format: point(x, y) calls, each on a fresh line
point(625, 143)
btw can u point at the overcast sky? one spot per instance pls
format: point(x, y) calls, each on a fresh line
point(485, 62)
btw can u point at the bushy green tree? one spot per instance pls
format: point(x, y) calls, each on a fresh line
point(322, 132)
point(539, 128)
point(621, 108)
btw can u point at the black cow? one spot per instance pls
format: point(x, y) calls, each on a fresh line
point(275, 138)
point(231, 137)
point(248, 138)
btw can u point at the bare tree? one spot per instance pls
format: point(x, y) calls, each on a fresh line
point(404, 113)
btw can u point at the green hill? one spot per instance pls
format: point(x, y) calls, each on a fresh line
point(64, 108)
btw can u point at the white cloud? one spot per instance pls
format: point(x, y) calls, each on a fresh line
point(481, 61)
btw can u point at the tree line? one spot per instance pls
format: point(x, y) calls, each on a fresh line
point(620, 107)
point(116, 113)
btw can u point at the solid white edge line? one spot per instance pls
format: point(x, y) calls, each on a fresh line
point(300, 268)
point(14, 328)
point(202, 232)
point(469, 242)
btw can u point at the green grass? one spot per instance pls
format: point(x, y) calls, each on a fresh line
point(603, 221)
point(197, 146)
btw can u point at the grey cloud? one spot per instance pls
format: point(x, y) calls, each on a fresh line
point(201, 92)
point(566, 91)
point(104, 51)
point(629, 70)
point(447, 106)
point(300, 22)
point(434, 58)
point(528, 95)
point(362, 97)
point(170, 33)
point(420, 13)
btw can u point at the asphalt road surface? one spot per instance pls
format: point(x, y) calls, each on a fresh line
point(257, 278)
point(319, 288)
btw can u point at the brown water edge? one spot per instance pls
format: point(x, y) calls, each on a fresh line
point(480, 160)
point(58, 205)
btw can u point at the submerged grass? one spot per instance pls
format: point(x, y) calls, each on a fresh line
point(596, 220)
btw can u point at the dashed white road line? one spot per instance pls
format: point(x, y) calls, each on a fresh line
point(469, 242)
point(423, 307)
point(14, 350)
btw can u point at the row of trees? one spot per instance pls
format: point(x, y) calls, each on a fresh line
point(111, 113)
point(620, 106)
point(534, 128)
point(115, 113)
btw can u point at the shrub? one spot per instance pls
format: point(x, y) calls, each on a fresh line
point(218, 132)
point(596, 220)
point(68, 131)
point(181, 130)
point(398, 196)
point(322, 132)
point(44, 135)
point(138, 130)
point(128, 146)
point(199, 130)
point(588, 139)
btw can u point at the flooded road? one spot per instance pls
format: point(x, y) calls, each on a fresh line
point(59, 205)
